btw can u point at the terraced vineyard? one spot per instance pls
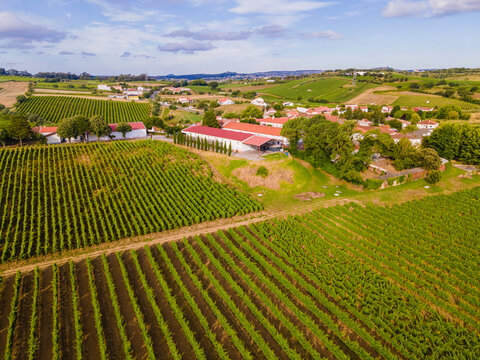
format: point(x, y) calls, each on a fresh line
point(56, 108)
point(346, 282)
point(68, 197)
point(432, 101)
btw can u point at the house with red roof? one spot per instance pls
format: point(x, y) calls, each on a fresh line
point(238, 140)
point(225, 101)
point(427, 124)
point(274, 122)
point(258, 130)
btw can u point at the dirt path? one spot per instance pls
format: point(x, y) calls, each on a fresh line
point(78, 255)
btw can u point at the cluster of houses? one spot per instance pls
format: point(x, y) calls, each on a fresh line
point(139, 131)
point(128, 94)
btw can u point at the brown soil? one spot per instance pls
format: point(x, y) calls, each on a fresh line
point(113, 340)
point(215, 326)
point(24, 313)
point(276, 175)
point(90, 348)
point(130, 320)
point(45, 321)
point(369, 97)
point(66, 324)
point(9, 91)
point(308, 196)
point(6, 296)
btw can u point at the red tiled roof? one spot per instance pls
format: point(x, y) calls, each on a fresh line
point(256, 140)
point(279, 120)
point(252, 128)
point(48, 129)
point(135, 126)
point(427, 122)
point(220, 133)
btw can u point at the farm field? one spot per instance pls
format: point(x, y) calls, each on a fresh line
point(56, 108)
point(323, 285)
point(68, 197)
point(331, 89)
point(9, 91)
point(421, 100)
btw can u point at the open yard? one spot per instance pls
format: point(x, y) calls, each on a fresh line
point(9, 91)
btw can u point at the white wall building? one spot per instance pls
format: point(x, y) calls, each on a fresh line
point(103, 87)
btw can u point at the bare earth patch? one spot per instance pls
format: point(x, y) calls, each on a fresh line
point(369, 96)
point(308, 196)
point(9, 91)
point(276, 175)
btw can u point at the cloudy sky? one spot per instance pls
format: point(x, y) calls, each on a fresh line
point(159, 37)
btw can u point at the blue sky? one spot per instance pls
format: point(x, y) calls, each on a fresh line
point(159, 37)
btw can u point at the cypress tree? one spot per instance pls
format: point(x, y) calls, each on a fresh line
point(230, 149)
point(175, 137)
point(216, 145)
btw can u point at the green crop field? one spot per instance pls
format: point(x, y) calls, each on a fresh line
point(331, 89)
point(433, 101)
point(4, 78)
point(67, 197)
point(56, 108)
point(345, 282)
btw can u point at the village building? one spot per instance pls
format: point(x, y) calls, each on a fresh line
point(258, 130)
point(259, 102)
point(225, 101)
point(103, 87)
point(239, 141)
point(427, 124)
point(274, 122)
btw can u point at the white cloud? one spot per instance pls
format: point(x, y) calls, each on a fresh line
point(187, 47)
point(327, 34)
point(276, 7)
point(210, 35)
point(22, 34)
point(116, 13)
point(429, 8)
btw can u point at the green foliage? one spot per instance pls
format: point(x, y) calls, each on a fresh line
point(67, 129)
point(210, 120)
point(99, 126)
point(262, 171)
point(55, 108)
point(433, 177)
point(90, 183)
point(251, 112)
point(123, 128)
point(19, 128)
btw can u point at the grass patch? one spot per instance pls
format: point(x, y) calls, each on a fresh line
point(432, 101)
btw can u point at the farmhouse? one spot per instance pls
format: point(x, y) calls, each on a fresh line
point(259, 101)
point(225, 101)
point(427, 109)
point(258, 130)
point(239, 141)
point(103, 87)
point(387, 109)
point(427, 124)
point(287, 104)
point(274, 122)
point(184, 100)
point(139, 131)
point(132, 92)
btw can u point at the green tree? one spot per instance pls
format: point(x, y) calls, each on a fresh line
point(213, 85)
point(3, 136)
point(446, 140)
point(395, 124)
point(67, 129)
point(209, 119)
point(292, 130)
point(252, 112)
point(19, 128)
point(83, 125)
point(433, 177)
point(428, 158)
point(99, 126)
point(230, 149)
point(415, 118)
point(21, 99)
point(123, 128)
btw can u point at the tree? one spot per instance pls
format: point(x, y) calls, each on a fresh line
point(21, 99)
point(292, 131)
point(99, 126)
point(415, 118)
point(445, 140)
point(252, 112)
point(3, 136)
point(395, 124)
point(428, 159)
point(83, 125)
point(213, 85)
point(67, 128)
point(433, 177)
point(209, 119)
point(19, 128)
point(230, 149)
point(123, 128)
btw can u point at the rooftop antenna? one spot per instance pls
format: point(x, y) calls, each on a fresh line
point(354, 80)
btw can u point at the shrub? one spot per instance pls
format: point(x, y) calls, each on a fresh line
point(372, 184)
point(433, 177)
point(262, 171)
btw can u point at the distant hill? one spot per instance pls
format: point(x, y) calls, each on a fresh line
point(234, 75)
